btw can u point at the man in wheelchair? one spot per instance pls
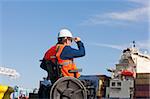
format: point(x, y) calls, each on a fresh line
point(58, 61)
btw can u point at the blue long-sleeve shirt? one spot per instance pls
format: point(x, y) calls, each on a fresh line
point(69, 53)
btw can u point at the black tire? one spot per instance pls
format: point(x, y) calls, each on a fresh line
point(68, 88)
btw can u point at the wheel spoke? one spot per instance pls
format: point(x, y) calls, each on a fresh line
point(77, 91)
point(64, 96)
point(68, 84)
point(59, 90)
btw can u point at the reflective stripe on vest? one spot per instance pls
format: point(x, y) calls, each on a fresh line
point(66, 64)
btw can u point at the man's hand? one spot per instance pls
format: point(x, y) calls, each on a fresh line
point(76, 39)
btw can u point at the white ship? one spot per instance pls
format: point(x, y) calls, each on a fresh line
point(128, 75)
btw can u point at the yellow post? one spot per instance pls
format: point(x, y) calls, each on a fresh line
point(5, 92)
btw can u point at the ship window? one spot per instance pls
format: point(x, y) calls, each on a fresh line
point(113, 83)
point(118, 83)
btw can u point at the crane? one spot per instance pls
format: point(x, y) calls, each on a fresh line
point(12, 73)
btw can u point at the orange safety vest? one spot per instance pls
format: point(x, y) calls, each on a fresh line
point(67, 65)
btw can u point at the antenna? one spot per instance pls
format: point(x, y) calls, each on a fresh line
point(133, 43)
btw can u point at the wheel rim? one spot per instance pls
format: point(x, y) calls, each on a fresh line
point(68, 88)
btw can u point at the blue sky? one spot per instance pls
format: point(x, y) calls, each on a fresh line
point(29, 27)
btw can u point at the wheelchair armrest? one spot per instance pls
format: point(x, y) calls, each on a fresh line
point(75, 71)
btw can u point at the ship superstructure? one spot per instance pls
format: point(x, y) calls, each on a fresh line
point(131, 64)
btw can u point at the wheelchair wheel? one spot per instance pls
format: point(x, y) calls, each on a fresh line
point(68, 88)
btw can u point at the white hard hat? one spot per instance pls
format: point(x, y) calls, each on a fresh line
point(64, 33)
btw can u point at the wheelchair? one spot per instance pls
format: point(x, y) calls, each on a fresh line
point(66, 87)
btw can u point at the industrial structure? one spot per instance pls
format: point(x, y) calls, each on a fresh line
point(12, 73)
point(131, 76)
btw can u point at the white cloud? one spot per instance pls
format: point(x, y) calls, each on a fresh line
point(118, 47)
point(139, 44)
point(140, 14)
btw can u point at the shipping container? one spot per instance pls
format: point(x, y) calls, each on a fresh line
point(142, 81)
point(142, 88)
point(142, 94)
point(143, 75)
